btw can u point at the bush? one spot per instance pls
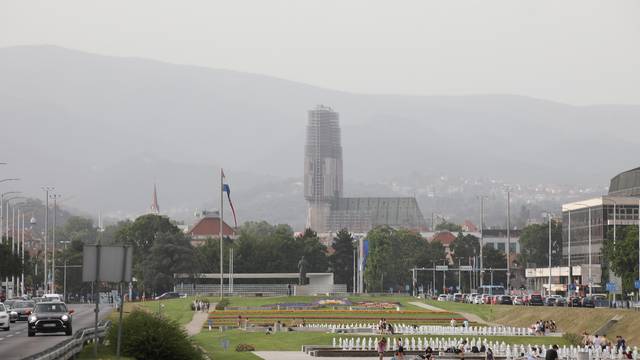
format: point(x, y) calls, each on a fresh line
point(222, 304)
point(151, 336)
point(572, 339)
point(245, 347)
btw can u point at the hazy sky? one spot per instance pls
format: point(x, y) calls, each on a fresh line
point(581, 52)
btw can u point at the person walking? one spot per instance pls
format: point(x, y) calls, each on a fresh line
point(382, 346)
point(552, 353)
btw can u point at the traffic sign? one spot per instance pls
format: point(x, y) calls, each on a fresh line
point(611, 286)
point(466, 268)
point(442, 267)
point(637, 284)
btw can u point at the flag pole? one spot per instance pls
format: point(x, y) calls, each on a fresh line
point(221, 222)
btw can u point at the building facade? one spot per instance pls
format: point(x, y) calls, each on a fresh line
point(328, 210)
point(588, 224)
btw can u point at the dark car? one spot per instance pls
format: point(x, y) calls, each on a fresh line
point(22, 309)
point(505, 300)
point(588, 302)
point(574, 301)
point(50, 317)
point(536, 300)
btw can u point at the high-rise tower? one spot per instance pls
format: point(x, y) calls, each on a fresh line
point(322, 166)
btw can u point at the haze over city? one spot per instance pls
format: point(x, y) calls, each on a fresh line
point(286, 179)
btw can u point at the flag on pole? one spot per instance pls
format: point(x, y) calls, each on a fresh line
point(227, 189)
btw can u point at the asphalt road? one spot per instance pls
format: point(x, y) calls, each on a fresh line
point(15, 344)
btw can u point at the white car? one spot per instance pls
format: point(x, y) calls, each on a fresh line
point(442, 297)
point(52, 298)
point(478, 299)
point(4, 318)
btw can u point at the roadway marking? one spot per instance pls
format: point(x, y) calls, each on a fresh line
point(8, 336)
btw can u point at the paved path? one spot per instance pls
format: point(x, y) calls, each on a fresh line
point(195, 326)
point(471, 317)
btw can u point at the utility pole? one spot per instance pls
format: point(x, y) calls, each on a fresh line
point(53, 253)
point(549, 215)
point(46, 190)
point(508, 240)
point(482, 197)
point(221, 234)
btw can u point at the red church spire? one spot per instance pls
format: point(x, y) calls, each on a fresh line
point(155, 209)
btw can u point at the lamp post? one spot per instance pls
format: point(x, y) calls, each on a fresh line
point(2, 211)
point(46, 190)
point(508, 239)
point(64, 274)
point(8, 201)
point(549, 217)
point(482, 197)
point(53, 246)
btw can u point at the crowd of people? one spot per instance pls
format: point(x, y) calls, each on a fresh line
point(200, 305)
point(601, 341)
point(384, 327)
point(542, 327)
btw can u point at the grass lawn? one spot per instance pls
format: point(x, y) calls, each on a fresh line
point(485, 312)
point(293, 341)
point(104, 353)
point(574, 320)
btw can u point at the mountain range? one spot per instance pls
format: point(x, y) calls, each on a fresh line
point(104, 129)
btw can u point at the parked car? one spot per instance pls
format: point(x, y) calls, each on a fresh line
point(471, 297)
point(550, 301)
point(477, 299)
point(458, 297)
point(4, 318)
point(168, 295)
point(504, 300)
point(50, 317)
point(518, 300)
point(51, 297)
point(536, 300)
point(442, 297)
point(588, 302)
point(574, 301)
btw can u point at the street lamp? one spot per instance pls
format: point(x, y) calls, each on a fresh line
point(2, 210)
point(482, 197)
point(46, 190)
point(549, 216)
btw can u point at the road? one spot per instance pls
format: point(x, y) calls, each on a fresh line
point(15, 344)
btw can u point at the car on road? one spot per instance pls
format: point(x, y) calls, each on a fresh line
point(50, 317)
point(536, 300)
point(477, 299)
point(504, 300)
point(458, 297)
point(574, 301)
point(22, 309)
point(8, 304)
point(4, 318)
point(51, 297)
point(442, 297)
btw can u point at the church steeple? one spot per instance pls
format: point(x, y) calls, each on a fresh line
point(155, 208)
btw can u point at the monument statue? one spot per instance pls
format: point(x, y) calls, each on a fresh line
point(302, 271)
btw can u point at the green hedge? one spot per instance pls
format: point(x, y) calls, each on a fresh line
point(148, 336)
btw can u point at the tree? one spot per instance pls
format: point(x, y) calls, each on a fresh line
point(534, 244)
point(10, 263)
point(494, 259)
point(465, 247)
point(392, 253)
point(341, 261)
point(623, 257)
point(448, 226)
point(314, 252)
point(170, 254)
point(142, 232)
